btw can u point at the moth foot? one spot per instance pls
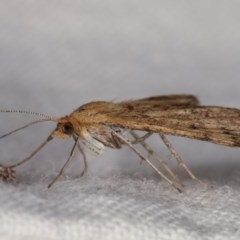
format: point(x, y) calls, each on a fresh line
point(7, 174)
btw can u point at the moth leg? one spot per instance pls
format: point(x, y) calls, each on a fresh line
point(49, 138)
point(65, 164)
point(116, 140)
point(7, 174)
point(179, 159)
point(84, 160)
point(174, 184)
point(152, 153)
point(140, 139)
point(84, 157)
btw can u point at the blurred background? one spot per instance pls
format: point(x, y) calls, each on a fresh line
point(58, 55)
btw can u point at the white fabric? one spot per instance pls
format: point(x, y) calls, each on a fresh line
point(57, 55)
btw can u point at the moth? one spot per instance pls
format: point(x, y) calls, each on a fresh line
point(101, 124)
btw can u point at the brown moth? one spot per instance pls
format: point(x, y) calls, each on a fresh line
point(103, 124)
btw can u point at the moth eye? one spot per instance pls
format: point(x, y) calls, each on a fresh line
point(67, 128)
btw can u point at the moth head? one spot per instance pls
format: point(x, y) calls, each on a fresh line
point(65, 128)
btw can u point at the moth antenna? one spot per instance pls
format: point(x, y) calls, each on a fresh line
point(24, 126)
point(45, 116)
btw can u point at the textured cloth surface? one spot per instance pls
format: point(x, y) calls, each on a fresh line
point(57, 55)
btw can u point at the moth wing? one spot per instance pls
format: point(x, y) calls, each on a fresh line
point(144, 104)
point(215, 124)
point(157, 102)
point(172, 100)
